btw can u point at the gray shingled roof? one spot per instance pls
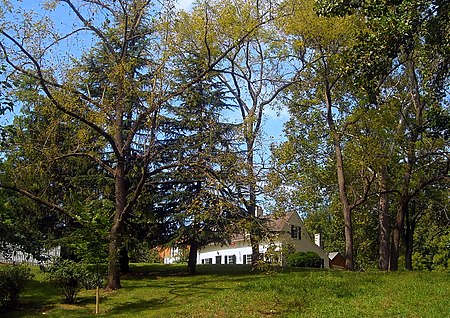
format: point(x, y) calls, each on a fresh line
point(275, 224)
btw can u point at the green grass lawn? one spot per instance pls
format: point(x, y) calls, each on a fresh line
point(153, 290)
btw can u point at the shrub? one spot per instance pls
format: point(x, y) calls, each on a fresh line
point(12, 283)
point(304, 259)
point(68, 276)
point(268, 267)
point(421, 262)
point(153, 257)
point(144, 254)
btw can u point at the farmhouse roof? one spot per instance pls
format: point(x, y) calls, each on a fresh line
point(274, 223)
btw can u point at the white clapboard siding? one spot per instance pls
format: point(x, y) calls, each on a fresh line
point(19, 257)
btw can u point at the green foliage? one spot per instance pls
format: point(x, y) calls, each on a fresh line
point(143, 253)
point(304, 259)
point(153, 257)
point(433, 253)
point(374, 56)
point(441, 259)
point(264, 266)
point(199, 205)
point(92, 279)
point(69, 277)
point(13, 280)
point(421, 262)
point(25, 225)
point(273, 258)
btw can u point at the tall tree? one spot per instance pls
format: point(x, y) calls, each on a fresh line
point(324, 95)
point(195, 130)
point(255, 72)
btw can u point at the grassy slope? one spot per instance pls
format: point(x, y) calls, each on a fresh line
point(164, 291)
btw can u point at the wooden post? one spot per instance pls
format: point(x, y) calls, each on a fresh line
point(97, 300)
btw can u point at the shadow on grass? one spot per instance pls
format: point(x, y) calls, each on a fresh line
point(176, 293)
point(139, 306)
point(172, 286)
point(181, 269)
point(144, 272)
point(191, 284)
point(40, 297)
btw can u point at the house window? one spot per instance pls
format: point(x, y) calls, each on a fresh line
point(296, 232)
point(207, 261)
point(219, 259)
point(231, 259)
point(173, 251)
point(247, 259)
point(293, 231)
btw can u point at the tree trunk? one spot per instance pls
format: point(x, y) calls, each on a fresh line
point(410, 162)
point(192, 262)
point(251, 205)
point(409, 237)
point(115, 239)
point(124, 260)
point(348, 230)
point(345, 209)
point(409, 248)
point(397, 235)
point(400, 219)
point(255, 251)
point(113, 282)
point(254, 242)
point(383, 223)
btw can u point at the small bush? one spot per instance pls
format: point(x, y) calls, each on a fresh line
point(421, 262)
point(304, 259)
point(153, 257)
point(268, 267)
point(68, 276)
point(145, 254)
point(12, 283)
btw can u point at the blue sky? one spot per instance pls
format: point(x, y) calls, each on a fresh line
point(184, 4)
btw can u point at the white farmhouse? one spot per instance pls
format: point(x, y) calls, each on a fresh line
point(288, 230)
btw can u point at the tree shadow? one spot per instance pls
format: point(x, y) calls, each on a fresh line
point(41, 296)
point(174, 290)
point(140, 305)
point(183, 286)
